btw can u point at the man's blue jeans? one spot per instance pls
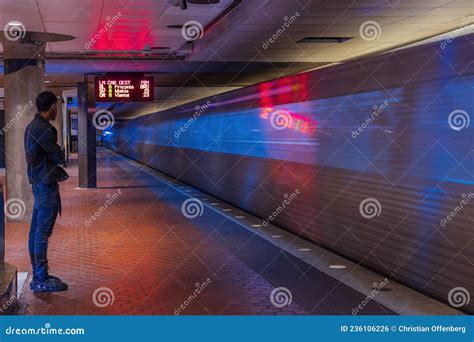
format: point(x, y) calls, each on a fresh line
point(46, 208)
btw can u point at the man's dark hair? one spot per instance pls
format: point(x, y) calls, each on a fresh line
point(45, 100)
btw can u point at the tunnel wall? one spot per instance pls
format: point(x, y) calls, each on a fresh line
point(325, 141)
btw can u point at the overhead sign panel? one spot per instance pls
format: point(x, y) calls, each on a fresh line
point(124, 88)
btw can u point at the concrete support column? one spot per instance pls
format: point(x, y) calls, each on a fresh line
point(24, 80)
point(86, 136)
point(23, 59)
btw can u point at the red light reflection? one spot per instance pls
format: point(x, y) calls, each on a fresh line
point(298, 122)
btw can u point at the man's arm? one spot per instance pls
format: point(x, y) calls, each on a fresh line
point(48, 143)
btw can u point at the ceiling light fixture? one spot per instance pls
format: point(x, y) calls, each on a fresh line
point(14, 23)
point(338, 267)
point(203, 2)
point(324, 40)
point(183, 4)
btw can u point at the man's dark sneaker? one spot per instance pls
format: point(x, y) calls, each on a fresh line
point(51, 284)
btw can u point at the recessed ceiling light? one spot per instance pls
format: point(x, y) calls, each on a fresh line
point(338, 266)
point(14, 23)
point(203, 2)
point(323, 40)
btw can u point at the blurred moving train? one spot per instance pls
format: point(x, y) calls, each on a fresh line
point(374, 158)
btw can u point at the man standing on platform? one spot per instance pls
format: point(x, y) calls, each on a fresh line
point(44, 157)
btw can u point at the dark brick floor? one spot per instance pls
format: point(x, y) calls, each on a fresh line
point(151, 258)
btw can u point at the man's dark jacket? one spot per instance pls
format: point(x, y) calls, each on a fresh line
point(43, 155)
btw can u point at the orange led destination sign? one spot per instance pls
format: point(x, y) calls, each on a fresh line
point(124, 88)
